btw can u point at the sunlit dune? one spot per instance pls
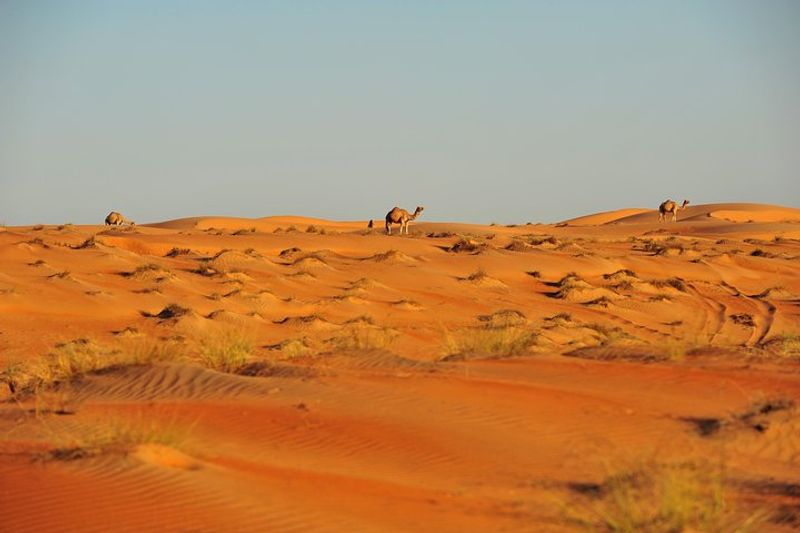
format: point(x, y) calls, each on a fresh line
point(298, 374)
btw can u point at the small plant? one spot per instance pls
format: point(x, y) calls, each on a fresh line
point(175, 252)
point(226, 351)
point(38, 227)
point(88, 243)
point(244, 231)
point(168, 312)
point(487, 341)
point(148, 272)
point(467, 246)
point(316, 229)
point(360, 337)
point(478, 275)
point(114, 435)
point(661, 497)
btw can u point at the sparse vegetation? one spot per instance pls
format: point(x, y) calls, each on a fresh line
point(244, 231)
point(168, 312)
point(488, 340)
point(226, 350)
point(660, 497)
point(113, 435)
point(467, 246)
point(175, 252)
point(357, 336)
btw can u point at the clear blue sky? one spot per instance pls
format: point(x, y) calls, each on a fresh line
point(481, 111)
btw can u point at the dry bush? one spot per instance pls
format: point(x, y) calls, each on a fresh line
point(148, 272)
point(503, 319)
point(291, 348)
point(168, 312)
point(316, 229)
point(175, 252)
point(786, 346)
point(661, 497)
point(362, 337)
point(676, 283)
point(467, 246)
point(244, 231)
point(487, 341)
point(227, 350)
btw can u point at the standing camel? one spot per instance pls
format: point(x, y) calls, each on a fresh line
point(402, 217)
point(116, 219)
point(669, 206)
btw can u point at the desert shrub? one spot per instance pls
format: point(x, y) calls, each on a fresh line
point(225, 350)
point(175, 252)
point(676, 283)
point(478, 275)
point(244, 231)
point(661, 497)
point(113, 435)
point(361, 336)
point(170, 311)
point(467, 246)
point(786, 345)
point(503, 319)
point(487, 341)
point(148, 272)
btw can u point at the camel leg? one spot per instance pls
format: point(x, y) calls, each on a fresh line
point(388, 228)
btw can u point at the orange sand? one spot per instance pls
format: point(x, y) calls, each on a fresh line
point(357, 421)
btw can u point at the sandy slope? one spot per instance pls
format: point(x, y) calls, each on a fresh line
point(364, 415)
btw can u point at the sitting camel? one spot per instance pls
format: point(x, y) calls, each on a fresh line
point(402, 217)
point(116, 219)
point(669, 206)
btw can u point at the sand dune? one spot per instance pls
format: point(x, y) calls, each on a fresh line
point(299, 374)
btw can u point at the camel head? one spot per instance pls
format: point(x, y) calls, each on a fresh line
point(684, 204)
point(418, 210)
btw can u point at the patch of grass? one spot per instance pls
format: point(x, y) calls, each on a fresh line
point(467, 246)
point(64, 274)
point(226, 350)
point(316, 229)
point(168, 312)
point(363, 337)
point(742, 319)
point(38, 242)
point(290, 348)
point(114, 435)
point(148, 272)
point(175, 252)
point(244, 231)
point(88, 243)
point(487, 341)
point(786, 345)
point(539, 241)
point(676, 283)
point(661, 497)
point(504, 318)
point(478, 275)
point(38, 227)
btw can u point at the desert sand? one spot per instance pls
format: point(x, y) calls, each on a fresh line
point(296, 374)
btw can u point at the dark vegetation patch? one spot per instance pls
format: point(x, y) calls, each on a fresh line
point(175, 252)
point(168, 312)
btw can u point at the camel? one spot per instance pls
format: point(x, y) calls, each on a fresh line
point(116, 219)
point(402, 217)
point(668, 206)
